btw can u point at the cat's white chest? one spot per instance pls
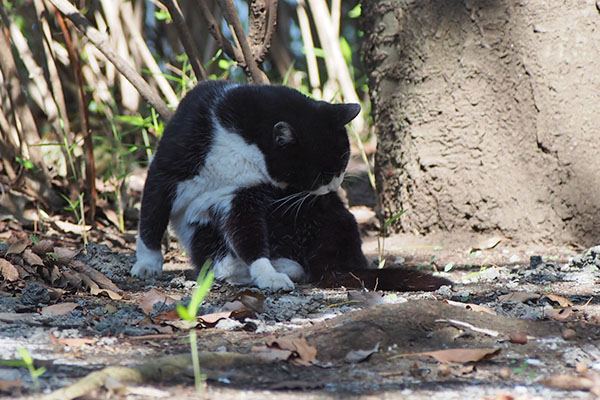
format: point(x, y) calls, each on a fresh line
point(230, 164)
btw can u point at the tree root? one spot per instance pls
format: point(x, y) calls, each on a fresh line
point(161, 369)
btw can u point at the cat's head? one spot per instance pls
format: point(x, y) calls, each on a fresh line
point(304, 142)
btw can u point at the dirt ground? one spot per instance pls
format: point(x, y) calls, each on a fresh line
point(521, 322)
point(366, 341)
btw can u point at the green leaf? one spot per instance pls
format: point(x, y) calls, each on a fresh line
point(225, 64)
point(355, 12)
point(392, 219)
point(14, 363)
point(203, 284)
point(346, 50)
point(162, 15)
point(183, 312)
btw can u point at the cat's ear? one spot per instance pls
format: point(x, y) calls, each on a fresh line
point(283, 134)
point(344, 113)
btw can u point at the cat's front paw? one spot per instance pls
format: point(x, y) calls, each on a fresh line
point(275, 281)
point(148, 262)
point(265, 277)
point(143, 269)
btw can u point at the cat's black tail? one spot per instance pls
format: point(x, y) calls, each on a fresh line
point(398, 278)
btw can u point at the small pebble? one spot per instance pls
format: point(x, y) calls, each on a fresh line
point(444, 370)
point(581, 368)
point(518, 337)
point(569, 334)
point(505, 373)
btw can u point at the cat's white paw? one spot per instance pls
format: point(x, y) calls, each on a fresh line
point(265, 277)
point(289, 267)
point(275, 281)
point(149, 262)
point(146, 270)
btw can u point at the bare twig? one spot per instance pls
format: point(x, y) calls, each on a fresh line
point(55, 83)
point(309, 50)
point(130, 98)
point(213, 27)
point(88, 144)
point(252, 69)
point(100, 40)
point(21, 111)
point(261, 27)
point(147, 57)
point(334, 59)
point(186, 39)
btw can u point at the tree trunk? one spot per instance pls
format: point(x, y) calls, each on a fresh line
point(487, 115)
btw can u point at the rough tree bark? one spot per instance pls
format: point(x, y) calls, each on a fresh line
point(487, 115)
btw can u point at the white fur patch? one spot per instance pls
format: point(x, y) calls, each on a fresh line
point(330, 187)
point(289, 267)
point(265, 277)
point(230, 164)
point(148, 262)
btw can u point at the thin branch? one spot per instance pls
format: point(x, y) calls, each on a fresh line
point(101, 41)
point(309, 50)
point(230, 13)
point(213, 27)
point(20, 108)
point(186, 39)
point(88, 144)
point(271, 27)
point(148, 58)
point(55, 82)
point(130, 98)
point(334, 59)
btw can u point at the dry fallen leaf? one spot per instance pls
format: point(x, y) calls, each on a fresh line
point(18, 247)
point(303, 352)
point(8, 271)
point(43, 247)
point(569, 382)
point(64, 255)
point(73, 342)
point(469, 306)
point(271, 354)
point(356, 356)
point(32, 258)
point(168, 316)
point(487, 244)
point(153, 296)
point(251, 299)
point(521, 297)
point(59, 309)
point(68, 227)
point(562, 301)
point(461, 355)
point(559, 314)
point(212, 319)
point(96, 290)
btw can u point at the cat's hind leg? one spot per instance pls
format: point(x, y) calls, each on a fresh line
point(245, 230)
point(207, 243)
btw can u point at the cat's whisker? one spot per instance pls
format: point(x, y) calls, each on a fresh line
point(285, 200)
point(299, 207)
point(297, 201)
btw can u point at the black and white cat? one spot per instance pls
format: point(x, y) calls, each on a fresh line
point(247, 175)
